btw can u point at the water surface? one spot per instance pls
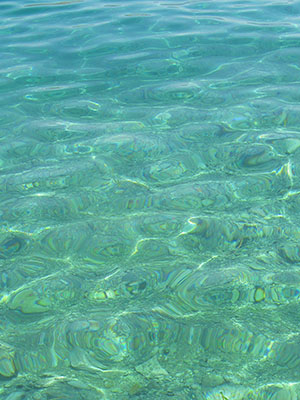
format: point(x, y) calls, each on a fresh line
point(150, 200)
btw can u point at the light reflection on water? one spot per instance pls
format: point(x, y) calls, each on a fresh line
point(149, 168)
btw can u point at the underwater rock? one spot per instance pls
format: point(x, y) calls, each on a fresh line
point(7, 364)
point(212, 380)
point(151, 369)
point(226, 392)
point(29, 302)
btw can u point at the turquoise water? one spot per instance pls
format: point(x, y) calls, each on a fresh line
point(150, 200)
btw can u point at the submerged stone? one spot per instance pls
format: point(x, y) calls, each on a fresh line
point(7, 364)
point(29, 302)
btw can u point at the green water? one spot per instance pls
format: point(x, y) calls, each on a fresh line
point(150, 200)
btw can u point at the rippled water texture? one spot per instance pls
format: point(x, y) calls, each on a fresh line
point(150, 200)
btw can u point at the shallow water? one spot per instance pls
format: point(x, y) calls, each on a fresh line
point(150, 200)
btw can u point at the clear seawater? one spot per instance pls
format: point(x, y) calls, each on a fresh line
point(149, 200)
